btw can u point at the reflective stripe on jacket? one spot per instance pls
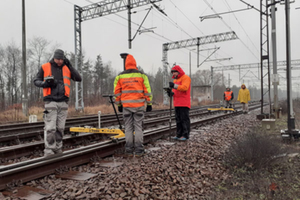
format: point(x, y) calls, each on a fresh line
point(131, 87)
point(66, 76)
point(228, 95)
point(182, 95)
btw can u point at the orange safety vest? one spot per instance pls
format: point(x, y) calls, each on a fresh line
point(66, 76)
point(228, 95)
point(132, 88)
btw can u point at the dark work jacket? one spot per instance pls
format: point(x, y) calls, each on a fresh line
point(58, 91)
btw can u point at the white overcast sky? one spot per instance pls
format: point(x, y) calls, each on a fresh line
point(108, 35)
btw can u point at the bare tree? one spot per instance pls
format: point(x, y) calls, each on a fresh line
point(2, 81)
point(37, 53)
point(157, 86)
point(38, 47)
point(12, 71)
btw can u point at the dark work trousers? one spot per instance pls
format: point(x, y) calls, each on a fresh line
point(182, 122)
point(228, 104)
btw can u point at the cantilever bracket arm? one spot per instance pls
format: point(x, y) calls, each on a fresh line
point(141, 24)
point(218, 15)
point(208, 57)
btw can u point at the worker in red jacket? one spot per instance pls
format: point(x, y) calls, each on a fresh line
point(181, 92)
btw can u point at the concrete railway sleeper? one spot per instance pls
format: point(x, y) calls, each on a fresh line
point(33, 148)
point(36, 168)
point(16, 134)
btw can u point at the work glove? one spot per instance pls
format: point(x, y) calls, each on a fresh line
point(46, 84)
point(149, 108)
point(49, 83)
point(171, 84)
point(120, 108)
point(170, 93)
point(67, 62)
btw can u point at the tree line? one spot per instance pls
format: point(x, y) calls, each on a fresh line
point(98, 77)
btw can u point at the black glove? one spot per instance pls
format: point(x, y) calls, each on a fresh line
point(120, 108)
point(149, 108)
point(49, 82)
point(170, 93)
point(46, 84)
point(67, 62)
point(171, 84)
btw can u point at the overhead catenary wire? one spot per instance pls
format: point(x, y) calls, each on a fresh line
point(241, 26)
point(175, 24)
point(191, 23)
point(69, 2)
point(171, 21)
point(230, 29)
point(186, 17)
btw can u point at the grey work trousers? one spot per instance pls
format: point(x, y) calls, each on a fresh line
point(245, 107)
point(228, 104)
point(134, 136)
point(55, 116)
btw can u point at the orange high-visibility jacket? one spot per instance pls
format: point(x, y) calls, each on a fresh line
point(66, 76)
point(131, 87)
point(182, 95)
point(228, 95)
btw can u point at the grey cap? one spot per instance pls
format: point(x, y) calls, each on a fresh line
point(58, 54)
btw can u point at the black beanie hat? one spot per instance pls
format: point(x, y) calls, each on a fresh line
point(58, 54)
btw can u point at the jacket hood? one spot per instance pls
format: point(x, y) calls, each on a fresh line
point(243, 85)
point(130, 62)
point(178, 68)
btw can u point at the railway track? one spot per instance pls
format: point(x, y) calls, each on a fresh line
point(33, 148)
point(38, 167)
point(15, 133)
point(70, 141)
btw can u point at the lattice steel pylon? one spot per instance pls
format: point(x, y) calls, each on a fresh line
point(220, 37)
point(264, 48)
point(294, 63)
point(92, 11)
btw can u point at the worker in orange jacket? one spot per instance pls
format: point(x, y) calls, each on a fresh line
point(228, 97)
point(55, 79)
point(132, 90)
point(181, 92)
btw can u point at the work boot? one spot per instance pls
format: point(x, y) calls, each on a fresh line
point(175, 138)
point(140, 154)
point(182, 139)
point(129, 153)
point(48, 152)
point(59, 151)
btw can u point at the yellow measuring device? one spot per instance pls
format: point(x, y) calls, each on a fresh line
point(221, 108)
point(118, 132)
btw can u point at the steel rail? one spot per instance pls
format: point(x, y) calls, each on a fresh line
point(32, 169)
point(32, 148)
point(11, 128)
point(29, 130)
point(17, 151)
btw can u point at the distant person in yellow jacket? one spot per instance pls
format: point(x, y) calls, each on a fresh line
point(244, 97)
